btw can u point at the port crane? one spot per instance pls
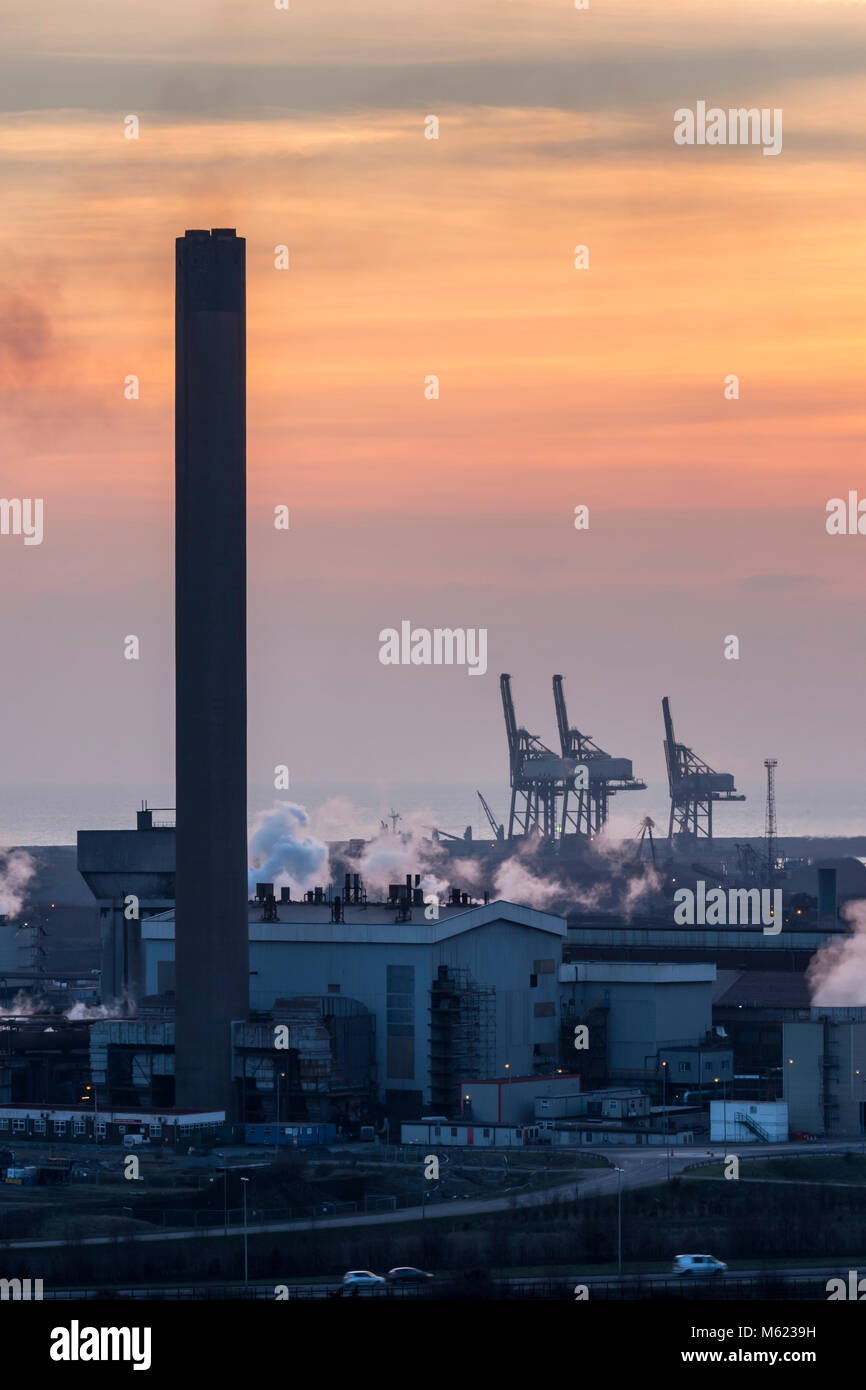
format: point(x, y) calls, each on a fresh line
point(694, 787)
point(538, 776)
point(498, 830)
point(585, 800)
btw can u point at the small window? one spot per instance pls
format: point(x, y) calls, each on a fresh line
point(38, 1126)
point(79, 1127)
point(453, 1132)
point(4, 1124)
point(155, 1131)
point(486, 1133)
point(101, 1128)
point(437, 1130)
point(19, 1125)
point(59, 1126)
point(333, 989)
point(685, 1066)
point(533, 982)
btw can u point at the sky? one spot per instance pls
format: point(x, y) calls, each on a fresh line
point(558, 387)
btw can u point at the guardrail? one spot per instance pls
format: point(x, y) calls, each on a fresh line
point(630, 1288)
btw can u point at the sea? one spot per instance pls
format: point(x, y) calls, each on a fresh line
point(49, 814)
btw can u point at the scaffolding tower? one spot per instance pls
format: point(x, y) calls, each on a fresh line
point(462, 1035)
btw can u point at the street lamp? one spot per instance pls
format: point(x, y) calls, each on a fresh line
point(619, 1173)
point(665, 1109)
point(277, 1126)
point(246, 1260)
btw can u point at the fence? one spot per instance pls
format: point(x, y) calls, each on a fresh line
point(631, 1288)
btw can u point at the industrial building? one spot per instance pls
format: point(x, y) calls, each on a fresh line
point(748, 1122)
point(323, 1072)
point(510, 1099)
point(83, 1124)
point(650, 1023)
point(438, 1134)
point(470, 994)
point(824, 1071)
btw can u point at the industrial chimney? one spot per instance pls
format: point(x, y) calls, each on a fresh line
point(211, 934)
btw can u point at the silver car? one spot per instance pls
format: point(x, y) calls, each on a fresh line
point(698, 1265)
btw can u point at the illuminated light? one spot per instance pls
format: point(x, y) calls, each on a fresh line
point(790, 1061)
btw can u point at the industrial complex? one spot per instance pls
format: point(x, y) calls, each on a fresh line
point(581, 1013)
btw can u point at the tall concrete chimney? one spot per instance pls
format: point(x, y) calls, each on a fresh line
point(211, 937)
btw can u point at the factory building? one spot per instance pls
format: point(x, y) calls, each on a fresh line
point(131, 873)
point(642, 1022)
point(82, 1124)
point(466, 995)
point(43, 1058)
point(824, 1071)
point(321, 1068)
point(748, 1122)
point(511, 1099)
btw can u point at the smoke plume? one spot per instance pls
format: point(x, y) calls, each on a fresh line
point(836, 974)
point(283, 852)
point(389, 858)
point(17, 868)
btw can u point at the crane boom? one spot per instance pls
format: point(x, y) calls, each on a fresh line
point(498, 830)
point(561, 717)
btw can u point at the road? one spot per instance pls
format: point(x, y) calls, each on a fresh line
point(643, 1167)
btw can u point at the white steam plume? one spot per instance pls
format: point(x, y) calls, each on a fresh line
point(17, 868)
point(283, 852)
point(836, 974)
point(389, 858)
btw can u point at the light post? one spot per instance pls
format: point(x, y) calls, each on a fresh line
point(246, 1260)
point(619, 1173)
point(277, 1127)
point(665, 1109)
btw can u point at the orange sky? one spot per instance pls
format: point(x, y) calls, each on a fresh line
point(452, 257)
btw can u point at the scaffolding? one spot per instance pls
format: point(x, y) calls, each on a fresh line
point(462, 1035)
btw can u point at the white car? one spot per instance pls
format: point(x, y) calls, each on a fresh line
point(699, 1265)
point(361, 1279)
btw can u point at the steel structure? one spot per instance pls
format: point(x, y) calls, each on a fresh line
point(694, 786)
point(539, 778)
point(585, 800)
point(498, 830)
point(770, 821)
point(644, 838)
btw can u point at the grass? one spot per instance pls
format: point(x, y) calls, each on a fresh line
point(822, 1168)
